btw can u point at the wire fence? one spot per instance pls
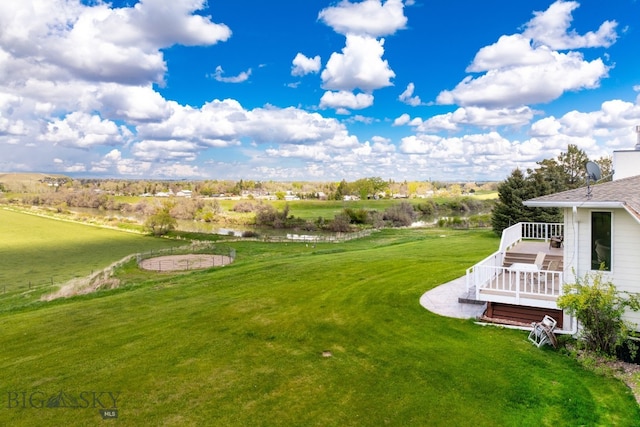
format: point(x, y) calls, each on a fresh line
point(196, 247)
point(196, 256)
point(220, 255)
point(104, 279)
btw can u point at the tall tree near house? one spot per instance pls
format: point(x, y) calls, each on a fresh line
point(573, 162)
point(538, 186)
point(606, 167)
point(509, 209)
point(566, 172)
point(550, 175)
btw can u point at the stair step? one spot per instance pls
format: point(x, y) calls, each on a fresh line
point(513, 257)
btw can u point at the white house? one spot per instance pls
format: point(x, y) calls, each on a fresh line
point(601, 227)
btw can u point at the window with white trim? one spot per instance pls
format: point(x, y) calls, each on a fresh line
point(601, 241)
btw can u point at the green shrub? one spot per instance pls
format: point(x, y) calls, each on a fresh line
point(340, 224)
point(357, 216)
point(400, 215)
point(599, 307)
point(160, 223)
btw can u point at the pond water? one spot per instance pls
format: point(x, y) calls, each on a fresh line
point(206, 227)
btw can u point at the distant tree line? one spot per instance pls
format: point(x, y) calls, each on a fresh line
point(160, 214)
point(364, 188)
point(565, 172)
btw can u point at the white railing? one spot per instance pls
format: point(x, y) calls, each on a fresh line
point(530, 231)
point(515, 284)
point(484, 271)
point(489, 275)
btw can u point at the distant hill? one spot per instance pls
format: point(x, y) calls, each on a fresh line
point(30, 181)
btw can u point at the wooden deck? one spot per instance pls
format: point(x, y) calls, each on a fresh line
point(535, 246)
point(514, 290)
point(542, 286)
point(538, 289)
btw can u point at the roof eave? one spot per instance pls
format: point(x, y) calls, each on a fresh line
point(570, 204)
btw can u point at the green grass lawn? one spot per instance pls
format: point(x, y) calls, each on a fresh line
point(328, 209)
point(313, 209)
point(38, 253)
point(243, 346)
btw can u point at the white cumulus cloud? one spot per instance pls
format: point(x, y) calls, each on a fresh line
point(372, 18)
point(528, 68)
point(408, 98)
point(303, 65)
point(344, 99)
point(359, 66)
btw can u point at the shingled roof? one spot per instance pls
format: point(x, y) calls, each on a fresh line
point(622, 193)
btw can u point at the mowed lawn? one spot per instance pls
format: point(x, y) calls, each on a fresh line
point(310, 209)
point(294, 335)
point(36, 252)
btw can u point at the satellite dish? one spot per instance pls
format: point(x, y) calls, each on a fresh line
point(593, 171)
point(593, 174)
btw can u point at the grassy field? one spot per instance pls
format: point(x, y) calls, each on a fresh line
point(314, 209)
point(247, 344)
point(38, 253)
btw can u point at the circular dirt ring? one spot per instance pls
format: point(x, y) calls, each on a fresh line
point(185, 262)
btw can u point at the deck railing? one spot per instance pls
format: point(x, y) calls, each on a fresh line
point(529, 231)
point(489, 275)
point(510, 285)
point(484, 271)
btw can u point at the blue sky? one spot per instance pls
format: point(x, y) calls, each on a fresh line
point(313, 90)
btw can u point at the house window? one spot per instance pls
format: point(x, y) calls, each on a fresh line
point(601, 240)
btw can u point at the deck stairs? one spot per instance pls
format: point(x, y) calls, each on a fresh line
point(512, 257)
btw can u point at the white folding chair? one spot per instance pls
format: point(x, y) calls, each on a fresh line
point(542, 332)
point(540, 260)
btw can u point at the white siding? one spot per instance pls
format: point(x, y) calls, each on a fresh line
point(570, 255)
point(627, 165)
point(625, 247)
point(577, 243)
point(584, 249)
point(625, 251)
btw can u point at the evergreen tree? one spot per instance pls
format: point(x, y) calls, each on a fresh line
point(509, 209)
point(566, 172)
point(606, 166)
point(573, 163)
point(342, 190)
point(550, 175)
point(538, 186)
